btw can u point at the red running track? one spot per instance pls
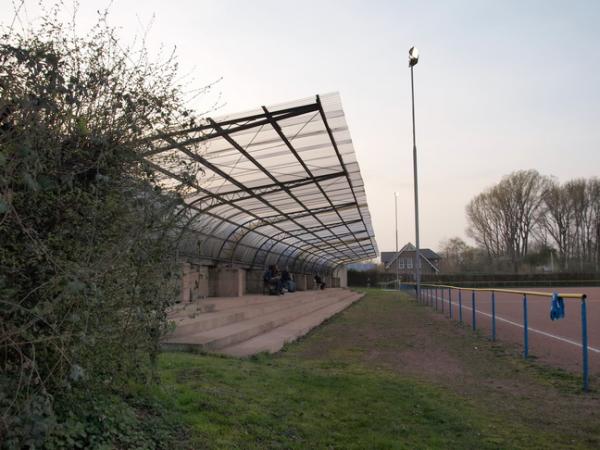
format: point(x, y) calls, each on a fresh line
point(557, 343)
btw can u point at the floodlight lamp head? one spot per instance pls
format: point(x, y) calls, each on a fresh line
point(413, 56)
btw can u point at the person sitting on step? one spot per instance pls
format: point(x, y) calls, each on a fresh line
point(272, 278)
point(288, 281)
point(319, 282)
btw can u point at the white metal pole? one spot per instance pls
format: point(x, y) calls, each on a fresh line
point(396, 256)
point(418, 253)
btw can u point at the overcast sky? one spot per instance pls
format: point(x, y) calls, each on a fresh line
point(500, 86)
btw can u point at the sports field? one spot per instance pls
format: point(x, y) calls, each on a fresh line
point(386, 373)
point(555, 342)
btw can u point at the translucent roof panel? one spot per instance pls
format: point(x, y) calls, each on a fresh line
point(280, 185)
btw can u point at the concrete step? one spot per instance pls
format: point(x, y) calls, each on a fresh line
point(274, 340)
point(220, 304)
point(212, 304)
point(234, 333)
point(208, 321)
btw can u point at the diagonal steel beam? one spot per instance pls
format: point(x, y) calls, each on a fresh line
point(286, 141)
point(237, 125)
point(256, 163)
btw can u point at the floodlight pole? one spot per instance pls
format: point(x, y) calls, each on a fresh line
point(418, 252)
point(397, 261)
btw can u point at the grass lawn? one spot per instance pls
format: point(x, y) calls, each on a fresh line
point(385, 373)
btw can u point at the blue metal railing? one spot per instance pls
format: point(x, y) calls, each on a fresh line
point(431, 293)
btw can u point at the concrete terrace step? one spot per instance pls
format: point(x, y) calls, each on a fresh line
point(213, 304)
point(221, 304)
point(274, 340)
point(207, 321)
point(234, 333)
point(239, 331)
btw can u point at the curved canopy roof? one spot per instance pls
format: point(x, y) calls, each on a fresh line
point(281, 185)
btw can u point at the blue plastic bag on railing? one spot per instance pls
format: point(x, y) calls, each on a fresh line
point(557, 307)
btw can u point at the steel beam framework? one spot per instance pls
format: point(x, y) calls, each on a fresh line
point(280, 185)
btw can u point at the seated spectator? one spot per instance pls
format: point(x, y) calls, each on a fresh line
point(272, 277)
point(319, 282)
point(288, 281)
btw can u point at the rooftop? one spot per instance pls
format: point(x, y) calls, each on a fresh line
point(281, 185)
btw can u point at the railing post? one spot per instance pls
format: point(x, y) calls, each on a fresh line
point(460, 306)
point(442, 290)
point(493, 316)
point(436, 298)
point(474, 320)
point(525, 329)
point(584, 344)
point(450, 301)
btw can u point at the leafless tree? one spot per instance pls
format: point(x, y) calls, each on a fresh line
point(484, 226)
point(572, 219)
point(593, 192)
point(556, 219)
point(458, 256)
point(503, 218)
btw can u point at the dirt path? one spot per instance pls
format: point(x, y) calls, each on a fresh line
point(392, 332)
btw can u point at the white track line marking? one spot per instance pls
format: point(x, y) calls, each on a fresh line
point(502, 319)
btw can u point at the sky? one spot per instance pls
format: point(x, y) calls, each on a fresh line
point(499, 87)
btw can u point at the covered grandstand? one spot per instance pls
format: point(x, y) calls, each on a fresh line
point(281, 185)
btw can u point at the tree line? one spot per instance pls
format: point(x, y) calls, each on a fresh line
point(532, 219)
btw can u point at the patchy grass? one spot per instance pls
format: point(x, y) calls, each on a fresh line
point(386, 373)
point(267, 403)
